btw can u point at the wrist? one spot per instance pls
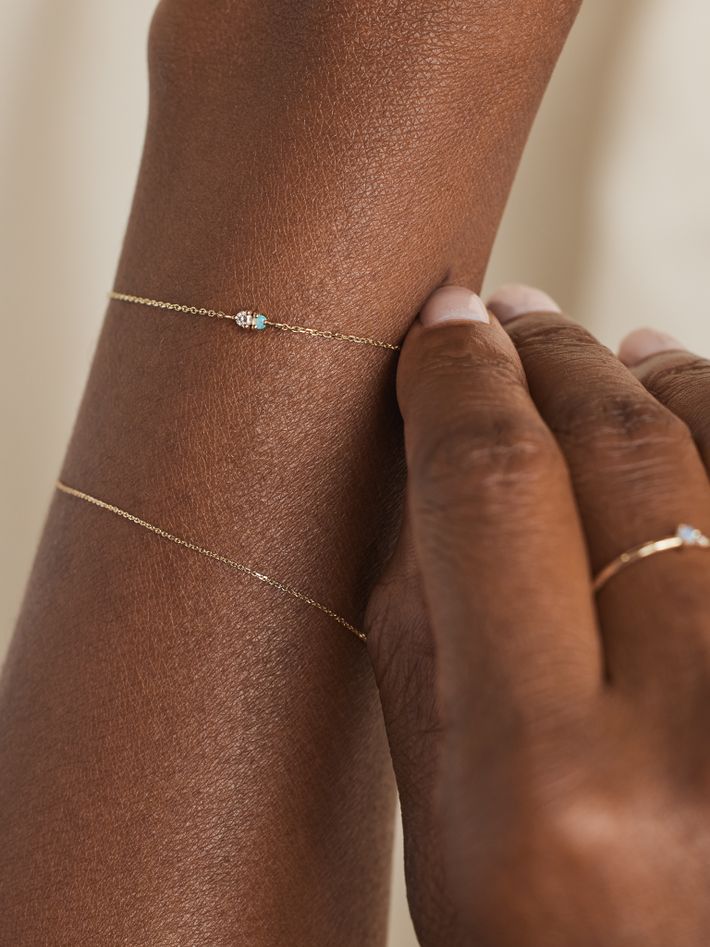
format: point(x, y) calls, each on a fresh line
point(310, 165)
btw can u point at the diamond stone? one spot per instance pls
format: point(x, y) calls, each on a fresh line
point(690, 535)
point(244, 319)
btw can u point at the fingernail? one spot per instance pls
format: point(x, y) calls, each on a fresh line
point(643, 343)
point(451, 304)
point(515, 300)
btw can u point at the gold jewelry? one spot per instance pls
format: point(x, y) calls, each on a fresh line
point(238, 566)
point(248, 319)
point(684, 536)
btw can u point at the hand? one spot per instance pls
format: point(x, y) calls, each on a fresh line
point(550, 745)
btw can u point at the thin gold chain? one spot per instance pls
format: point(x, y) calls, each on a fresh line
point(234, 317)
point(210, 554)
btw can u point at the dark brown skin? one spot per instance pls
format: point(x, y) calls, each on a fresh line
point(185, 755)
point(562, 737)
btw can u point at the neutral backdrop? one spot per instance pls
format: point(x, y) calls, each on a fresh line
point(610, 213)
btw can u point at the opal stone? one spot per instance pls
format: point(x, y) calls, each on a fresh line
point(689, 535)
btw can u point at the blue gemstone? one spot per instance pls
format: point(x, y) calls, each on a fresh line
point(260, 321)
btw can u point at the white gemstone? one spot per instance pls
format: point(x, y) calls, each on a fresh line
point(244, 319)
point(689, 534)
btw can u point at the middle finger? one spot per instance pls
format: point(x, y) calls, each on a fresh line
point(637, 476)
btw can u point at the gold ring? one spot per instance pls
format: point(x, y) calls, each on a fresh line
point(684, 536)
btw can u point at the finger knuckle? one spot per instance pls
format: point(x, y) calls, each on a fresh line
point(548, 336)
point(676, 381)
point(626, 422)
point(619, 414)
point(458, 355)
point(685, 387)
point(484, 449)
point(443, 366)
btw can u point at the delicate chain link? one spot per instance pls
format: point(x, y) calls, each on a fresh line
point(176, 307)
point(332, 334)
point(283, 326)
point(239, 567)
point(210, 554)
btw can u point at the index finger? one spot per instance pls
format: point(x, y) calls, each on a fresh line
point(494, 523)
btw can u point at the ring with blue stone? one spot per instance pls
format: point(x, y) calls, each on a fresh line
point(684, 536)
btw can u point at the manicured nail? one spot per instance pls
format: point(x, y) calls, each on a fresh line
point(515, 300)
point(451, 304)
point(643, 343)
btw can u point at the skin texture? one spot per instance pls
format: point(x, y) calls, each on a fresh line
point(185, 755)
point(563, 736)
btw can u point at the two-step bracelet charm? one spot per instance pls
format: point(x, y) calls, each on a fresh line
point(247, 319)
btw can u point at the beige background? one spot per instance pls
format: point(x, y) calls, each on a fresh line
point(610, 213)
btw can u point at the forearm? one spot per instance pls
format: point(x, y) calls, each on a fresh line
point(176, 736)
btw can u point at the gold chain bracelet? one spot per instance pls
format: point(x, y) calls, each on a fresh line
point(209, 554)
point(248, 319)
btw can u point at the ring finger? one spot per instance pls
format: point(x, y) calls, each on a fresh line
point(636, 475)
